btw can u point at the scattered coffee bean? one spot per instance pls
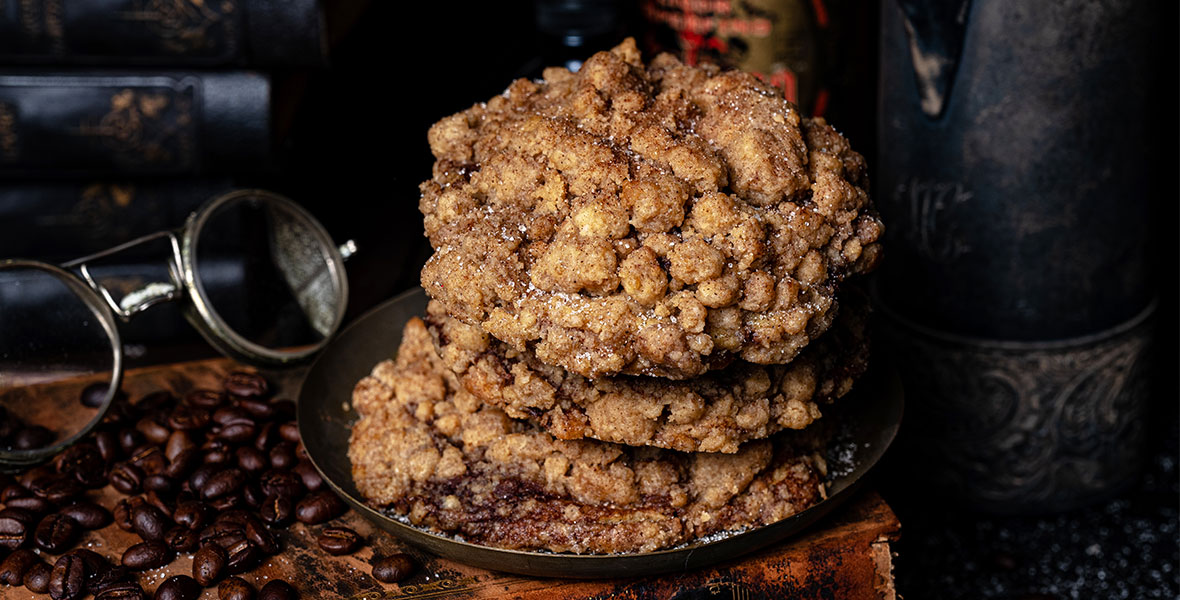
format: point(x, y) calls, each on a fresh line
point(88, 514)
point(289, 432)
point(36, 579)
point(262, 537)
point(252, 495)
point(188, 418)
point(277, 589)
point(14, 490)
point(246, 385)
point(235, 588)
point(16, 526)
point(339, 540)
point(268, 436)
point(123, 591)
point(278, 511)
point(153, 430)
point(276, 482)
point(392, 568)
point(149, 522)
point(161, 485)
point(126, 478)
point(178, 442)
point(182, 539)
point(178, 587)
point(95, 564)
point(149, 458)
point(147, 555)
point(206, 399)
point(85, 463)
point(209, 564)
point(282, 456)
point(191, 514)
point(111, 577)
point(56, 533)
point(107, 444)
point(242, 556)
point(312, 480)
point(93, 395)
point(63, 490)
point(223, 483)
point(318, 507)
point(259, 408)
point(124, 511)
point(183, 464)
point(251, 459)
point(32, 504)
point(155, 500)
point(130, 439)
point(14, 567)
point(67, 581)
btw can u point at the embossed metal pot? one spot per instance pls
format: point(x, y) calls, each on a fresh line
point(1017, 298)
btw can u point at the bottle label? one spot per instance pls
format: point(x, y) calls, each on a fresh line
point(777, 40)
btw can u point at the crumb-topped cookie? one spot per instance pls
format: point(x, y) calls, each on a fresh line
point(426, 448)
point(644, 219)
point(715, 412)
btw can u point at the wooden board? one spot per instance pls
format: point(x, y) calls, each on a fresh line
point(846, 556)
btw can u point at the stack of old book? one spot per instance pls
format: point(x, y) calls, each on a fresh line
point(640, 310)
point(119, 117)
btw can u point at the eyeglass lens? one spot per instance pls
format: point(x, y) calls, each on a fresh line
point(287, 296)
point(56, 359)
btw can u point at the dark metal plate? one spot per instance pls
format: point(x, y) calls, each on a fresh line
point(869, 418)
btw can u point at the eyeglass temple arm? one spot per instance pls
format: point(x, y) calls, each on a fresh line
point(150, 294)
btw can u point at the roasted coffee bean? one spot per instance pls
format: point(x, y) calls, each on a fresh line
point(241, 557)
point(282, 456)
point(14, 567)
point(64, 490)
point(130, 439)
point(121, 412)
point(183, 464)
point(96, 566)
point(153, 430)
point(251, 459)
point(34, 436)
point(228, 415)
point(339, 540)
point(161, 484)
point(312, 480)
point(289, 432)
point(85, 463)
point(32, 504)
point(277, 510)
point(268, 436)
point(206, 399)
point(28, 478)
point(107, 444)
point(238, 432)
point(227, 502)
point(126, 477)
point(124, 510)
point(67, 581)
point(181, 539)
point(262, 537)
point(259, 408)
point(56, 533)
point(147, 555)
point(178, 587)
point(252, 495)
point(246, 385)
point(235, 588)
point(209, 564)
point(189, 418)
point(392, 568)
point(237, 518)
point(149, 522)
point(277, 589)
point(222, 534)
point(123, 591)
point(223, 483)
point(93, 395)
point(178, 442)
point(276, 482)
point(14, 490)
point(149, 458)
point(36, 579)
point(318, 507)
point(88, 514)
point(191, 514)
point(16, 526)
point(201, 476)
point(41, 484)
point(110, 577)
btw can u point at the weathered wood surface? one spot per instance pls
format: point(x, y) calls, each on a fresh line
point(846, 556)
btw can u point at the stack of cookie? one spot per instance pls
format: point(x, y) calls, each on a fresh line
point(638, 306)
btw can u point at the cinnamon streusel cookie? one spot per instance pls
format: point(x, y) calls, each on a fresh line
point(644, 219)
point(426, 448)
point(715, 412)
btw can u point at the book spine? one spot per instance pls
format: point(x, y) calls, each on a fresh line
point(58, 221)
point(110, 124)
point(263, 33)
